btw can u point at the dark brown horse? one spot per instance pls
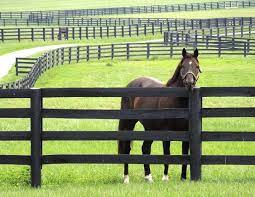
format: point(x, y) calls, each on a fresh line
point(185, 75)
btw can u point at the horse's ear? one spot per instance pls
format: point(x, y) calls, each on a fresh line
point(184, 52)
point(196, 53)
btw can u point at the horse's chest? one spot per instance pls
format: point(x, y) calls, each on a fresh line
point(168, 124)
point(173, 102)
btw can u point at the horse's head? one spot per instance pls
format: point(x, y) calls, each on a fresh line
point(189, 68)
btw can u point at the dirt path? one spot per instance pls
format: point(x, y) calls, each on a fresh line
point(8, 60)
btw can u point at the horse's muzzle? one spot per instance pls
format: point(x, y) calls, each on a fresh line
point(189, 81)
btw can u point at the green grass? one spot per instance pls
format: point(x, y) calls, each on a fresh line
point(10, 46)
point(196, 14)
point(105, 180)
point(15, 5)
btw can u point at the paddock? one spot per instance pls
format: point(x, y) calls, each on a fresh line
point(52, 104)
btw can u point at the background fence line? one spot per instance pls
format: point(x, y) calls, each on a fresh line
point(208, 45)
point(53, 33)
point(50, 15)
point(113, 21)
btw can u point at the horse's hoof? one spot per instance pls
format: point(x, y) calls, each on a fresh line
point(183, 179)
point(126, 179)
point(165, 178)
point(148, 178)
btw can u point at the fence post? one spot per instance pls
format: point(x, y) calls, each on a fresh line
point(166, 38)
point(87, 32)
point(19, 34)
point(44, 36)
point(195, 127)
point(112, 51)
point(153, 28)
point(244, 49)
point(101, 31)
point(70, 55)
point(80, 33)
point(36, 140)
point(171, 50)
point(128, 51)
point(99, 52)
point(17, 66)
point(219, 46)
point(88, 52)
point(78, 54)
point(115, 31)
point(62, 56)
point(148, 51)
point(2, 35)
point(32, 34)
point(137, 30)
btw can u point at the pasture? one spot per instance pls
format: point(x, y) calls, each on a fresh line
point(88, 178)
point(77, 4)
point(106, 180)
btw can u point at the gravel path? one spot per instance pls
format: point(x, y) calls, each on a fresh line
point(8, 60)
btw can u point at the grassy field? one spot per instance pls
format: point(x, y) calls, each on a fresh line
point(15, 5)
point(105, 180)
point(8, 47)
point(197, 14)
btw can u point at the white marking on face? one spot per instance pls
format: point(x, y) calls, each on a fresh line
point(190, 62)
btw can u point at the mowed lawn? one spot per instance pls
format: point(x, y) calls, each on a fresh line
point(11, 46)
point(106, 180)
point(14, 5)
point(222, 13)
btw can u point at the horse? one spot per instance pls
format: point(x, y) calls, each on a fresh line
point(185, 75)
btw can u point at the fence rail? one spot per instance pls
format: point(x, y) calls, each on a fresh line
point(209, 46)
point(50, 15)
point(121, 21)
point(148, 28)
point(24, 65)
point(196, 135)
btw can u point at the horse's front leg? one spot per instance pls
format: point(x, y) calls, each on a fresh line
point(185, 151)
point(166, 148)
point(146, 148)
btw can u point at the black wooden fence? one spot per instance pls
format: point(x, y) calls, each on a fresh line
point(209, 43)
point(126, 51)
point(120, 21)
point(43, 16)
point(24, 65)
point(149, 28)
point(196, 135)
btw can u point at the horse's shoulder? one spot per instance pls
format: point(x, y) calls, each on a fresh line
point(146, 82)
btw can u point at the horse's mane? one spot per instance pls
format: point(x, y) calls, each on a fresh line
point(177, 71)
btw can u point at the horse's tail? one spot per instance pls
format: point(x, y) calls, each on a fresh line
point(124, 147)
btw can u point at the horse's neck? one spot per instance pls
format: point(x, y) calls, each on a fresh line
point(181, 102)
point(175, 83)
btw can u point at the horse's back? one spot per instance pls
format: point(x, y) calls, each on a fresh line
point(145, 82)
point(142, 102)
